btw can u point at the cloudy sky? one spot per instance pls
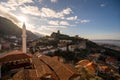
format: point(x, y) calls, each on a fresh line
point(92, 19)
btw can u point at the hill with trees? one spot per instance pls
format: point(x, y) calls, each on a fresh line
point(8, 28)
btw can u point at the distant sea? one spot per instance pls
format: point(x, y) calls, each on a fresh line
point(113, 42)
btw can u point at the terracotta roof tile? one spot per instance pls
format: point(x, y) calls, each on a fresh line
point(26, 74)
point(91, 67)
point(62, 71)
point(83, 62)
point(44, 66)
point(41, 68)
point(13, 56)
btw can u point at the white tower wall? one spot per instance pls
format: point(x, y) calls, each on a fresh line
point(24, 38)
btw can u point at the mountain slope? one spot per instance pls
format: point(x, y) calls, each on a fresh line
point(7, 27)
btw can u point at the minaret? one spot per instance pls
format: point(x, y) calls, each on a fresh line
point(24, 38)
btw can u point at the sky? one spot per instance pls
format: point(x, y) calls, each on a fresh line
point(91, 19)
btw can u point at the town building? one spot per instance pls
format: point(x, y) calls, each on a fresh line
point(20, 65)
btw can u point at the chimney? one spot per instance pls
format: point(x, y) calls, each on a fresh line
point(24, 38)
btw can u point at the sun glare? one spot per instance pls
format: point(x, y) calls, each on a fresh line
point(22, 19)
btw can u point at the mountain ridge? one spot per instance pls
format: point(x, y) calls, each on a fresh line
point(7, 27)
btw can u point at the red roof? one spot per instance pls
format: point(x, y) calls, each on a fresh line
point(62, 71)
point(13, 56)
point(111, 60)
point(43, 66)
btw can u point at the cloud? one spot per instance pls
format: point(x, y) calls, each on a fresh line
point(72, 18)
point(45, 12)
point(48, 28)
point(102, 5)
point(45, 21)
point(41, 29)
point(53, 1)
point(56, 23)
point(45, 29)
point(82, 21)
point(67, 11)
point(12, 4)
point(4, 12)
point(4, 8)
point(40, 1)
point(64, 23)
point(59, 23)
point(32, 10)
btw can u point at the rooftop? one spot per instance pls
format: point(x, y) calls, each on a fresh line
point(43, 67)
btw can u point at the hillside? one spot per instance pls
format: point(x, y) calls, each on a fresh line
point(91, 47)
point(7, 27)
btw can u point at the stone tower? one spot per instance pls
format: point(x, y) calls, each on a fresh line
point(24, 49)
point(58, 31)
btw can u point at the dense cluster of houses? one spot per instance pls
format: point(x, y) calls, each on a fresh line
point(99, 64)
point(62, 45)
point(9, 42)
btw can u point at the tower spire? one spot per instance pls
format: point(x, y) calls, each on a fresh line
point(24, 38)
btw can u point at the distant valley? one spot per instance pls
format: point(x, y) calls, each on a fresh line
point(111, 42)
